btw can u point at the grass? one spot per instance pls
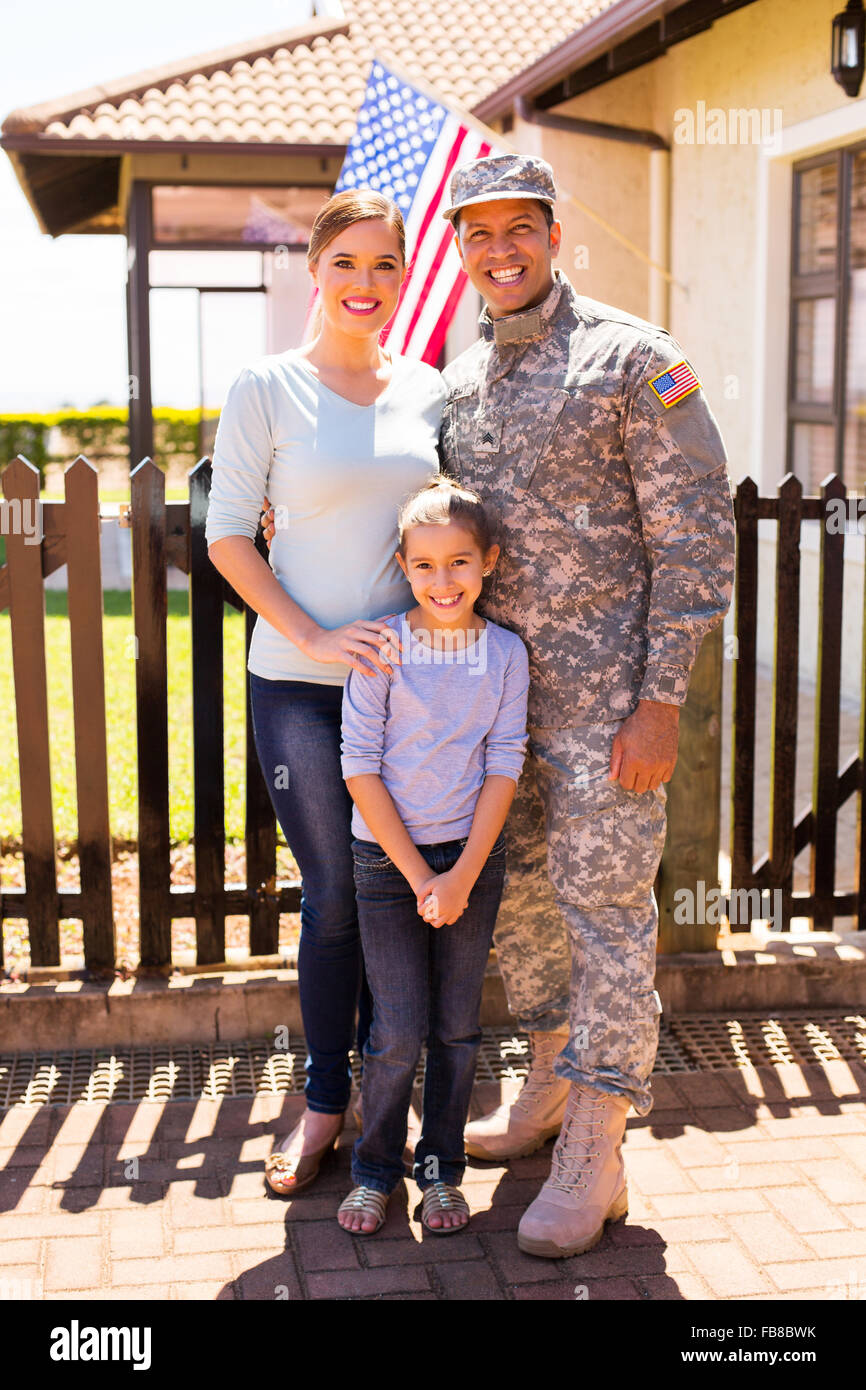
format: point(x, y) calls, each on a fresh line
point(120, 719)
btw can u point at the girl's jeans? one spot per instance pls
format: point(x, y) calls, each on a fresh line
point(296, 725)
point(426, 985)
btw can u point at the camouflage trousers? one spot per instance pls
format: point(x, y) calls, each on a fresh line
point(577, 929)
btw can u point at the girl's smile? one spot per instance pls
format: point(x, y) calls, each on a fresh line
point(446, 569)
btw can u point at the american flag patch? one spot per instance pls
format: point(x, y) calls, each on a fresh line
point(676, 382)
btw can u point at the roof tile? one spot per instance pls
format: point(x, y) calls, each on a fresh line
point(307, 86)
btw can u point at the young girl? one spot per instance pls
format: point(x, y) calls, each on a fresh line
point(431, 755)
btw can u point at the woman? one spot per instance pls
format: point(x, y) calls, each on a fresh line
point(337, 433)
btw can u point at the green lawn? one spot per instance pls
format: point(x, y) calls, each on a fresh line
point(120, 702)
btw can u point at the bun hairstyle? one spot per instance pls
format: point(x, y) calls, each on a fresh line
point(342, 210)
point(443, 500)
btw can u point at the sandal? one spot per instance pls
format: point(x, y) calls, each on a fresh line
point(441, 1197)
point(369, 1202)
point(286, 1175)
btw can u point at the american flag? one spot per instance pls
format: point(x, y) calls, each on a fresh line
point(406, 145)
point(675, 383)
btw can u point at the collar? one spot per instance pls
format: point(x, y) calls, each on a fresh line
point(526, 323)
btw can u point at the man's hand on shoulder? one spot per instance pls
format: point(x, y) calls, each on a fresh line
point(268, 523)
point(644, 750)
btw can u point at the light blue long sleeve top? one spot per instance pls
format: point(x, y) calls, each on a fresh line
point(336, 474)
point(437, 727)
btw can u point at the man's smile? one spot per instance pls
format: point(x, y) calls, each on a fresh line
point(507, 275)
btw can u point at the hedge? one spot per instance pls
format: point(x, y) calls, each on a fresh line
point(99, 431)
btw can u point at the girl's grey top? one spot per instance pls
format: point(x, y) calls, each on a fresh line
point(437, 727)
point(336, 474)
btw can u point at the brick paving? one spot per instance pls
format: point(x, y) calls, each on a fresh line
point(743, 1186)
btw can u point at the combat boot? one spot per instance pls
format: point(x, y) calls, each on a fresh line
point(587, 1185)
point(524, 1124)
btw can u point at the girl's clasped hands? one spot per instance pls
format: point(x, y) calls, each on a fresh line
point(442, 900)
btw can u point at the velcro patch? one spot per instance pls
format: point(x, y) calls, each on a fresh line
point(673, 384)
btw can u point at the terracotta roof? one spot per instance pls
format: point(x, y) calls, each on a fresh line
point(304, 85)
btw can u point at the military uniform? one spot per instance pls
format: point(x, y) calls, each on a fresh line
point(580, 425)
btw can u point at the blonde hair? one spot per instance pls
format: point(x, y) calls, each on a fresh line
point(442, 500)
point(343, 210)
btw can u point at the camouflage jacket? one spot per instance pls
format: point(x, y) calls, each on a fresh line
point(615, 511)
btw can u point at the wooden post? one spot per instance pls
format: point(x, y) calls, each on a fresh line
point(691, 853)
point(138, 324)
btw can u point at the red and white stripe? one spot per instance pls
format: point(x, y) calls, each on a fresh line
point(436, 279)
point(684, 382)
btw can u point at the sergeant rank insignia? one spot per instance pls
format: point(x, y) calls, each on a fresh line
point(670, 386)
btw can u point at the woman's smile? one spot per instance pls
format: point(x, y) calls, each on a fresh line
point(358, 306)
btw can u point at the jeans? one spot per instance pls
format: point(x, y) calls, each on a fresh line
point(296, 725)
point(426, 984)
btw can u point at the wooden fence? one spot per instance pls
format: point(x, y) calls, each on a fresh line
point(831, 786)
point(163, 534)
point(173, 533)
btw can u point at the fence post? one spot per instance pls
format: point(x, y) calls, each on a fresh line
point(150, 613)
point(206, 617)
point(85, 604)
point(20, 482)
point(691, 853)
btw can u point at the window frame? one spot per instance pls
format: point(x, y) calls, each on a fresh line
point(823, 284)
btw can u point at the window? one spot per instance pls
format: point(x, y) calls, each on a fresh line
point(827, 366)
point(204, 215)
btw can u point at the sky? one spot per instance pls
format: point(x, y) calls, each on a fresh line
point(62, 300)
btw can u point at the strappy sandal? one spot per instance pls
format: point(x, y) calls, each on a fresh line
point(442, 1197)
point(369, 1202)
point(286, 1175)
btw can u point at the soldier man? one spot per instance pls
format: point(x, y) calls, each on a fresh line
point(589, 433)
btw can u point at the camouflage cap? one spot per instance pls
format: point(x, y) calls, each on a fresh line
point(501, 176)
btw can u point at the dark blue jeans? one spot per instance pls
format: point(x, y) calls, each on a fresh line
point(426, 985)
point(296, 725)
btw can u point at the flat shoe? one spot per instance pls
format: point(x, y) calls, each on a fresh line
point(369, 1202)
point(293, 1174)
point(442, 1197)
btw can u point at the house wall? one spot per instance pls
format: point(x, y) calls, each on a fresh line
point(729, 237)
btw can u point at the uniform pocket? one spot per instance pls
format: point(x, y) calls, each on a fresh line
point(606, 844)
point(460, 404)
point(593, 797)
point(688, 432)
point(533, 418)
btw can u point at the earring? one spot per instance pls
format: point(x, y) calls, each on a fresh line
point(485, 573)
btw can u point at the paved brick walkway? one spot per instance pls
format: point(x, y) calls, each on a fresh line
point(743, 1186)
